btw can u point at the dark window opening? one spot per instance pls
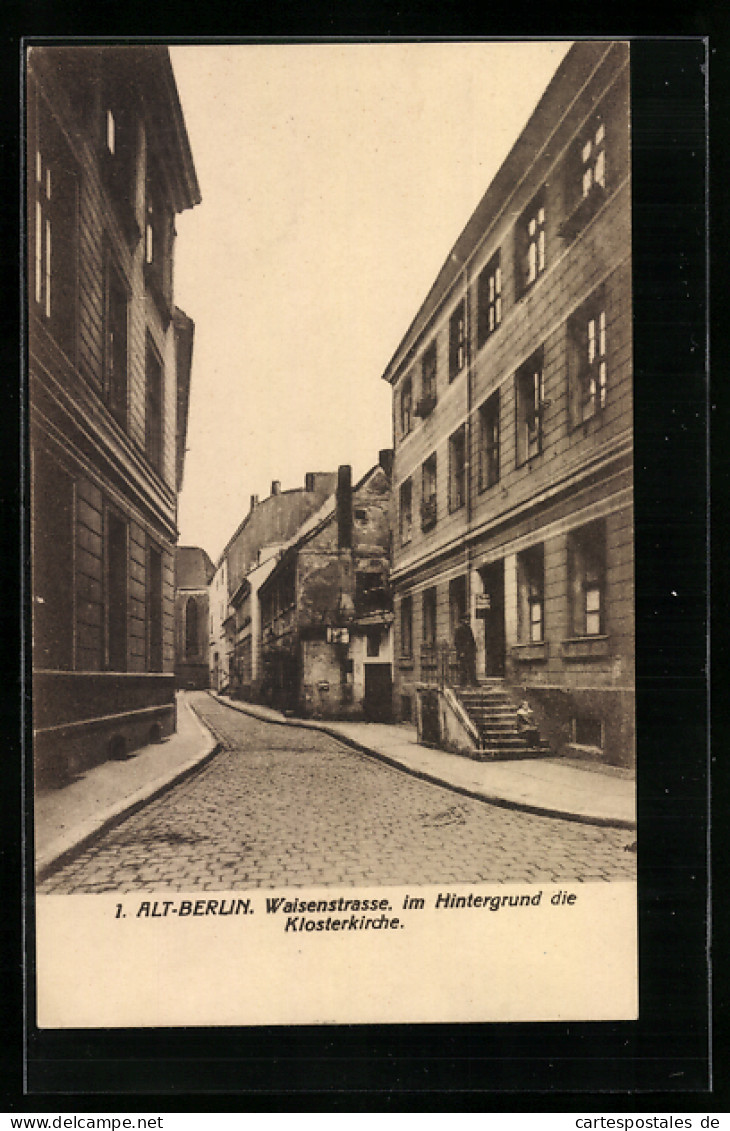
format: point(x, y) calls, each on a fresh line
point(457, 340)
point(588, 732)
point(54, 233)
point(457, 603)
point(457, 469)
point(531, 595)
point(371, 593)
point(529, 408)
point(489, 300)
point(154, 609)
point(587, 565)
point(53, 564)
point(191, 628)
point(530, 245)
point(373, 643)
point(406, 407)
point(116, 573)
point(428, 493)
point(489, 442)
point(406, 511)
point(428, 382)
point(587, 363)
point(406, 627)
point(153, 406)
point(116, 302)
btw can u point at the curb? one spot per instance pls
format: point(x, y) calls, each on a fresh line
point(67, 847)
point(424, 775)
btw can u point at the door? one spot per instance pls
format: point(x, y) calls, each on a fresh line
point(378, 700)
point(494, 639)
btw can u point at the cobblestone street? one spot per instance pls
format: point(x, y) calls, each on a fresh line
point(283, 806)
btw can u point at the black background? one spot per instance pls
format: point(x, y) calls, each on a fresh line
point(661, 1062)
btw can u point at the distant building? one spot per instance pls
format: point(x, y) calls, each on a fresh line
point(109, 166)
point(269, 524)
point(512, 394)
point(326, 611)
point(193, 574)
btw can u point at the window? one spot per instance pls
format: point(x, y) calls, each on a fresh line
point(116, 593)
point(587, 362)
point(429, 618)
point(52, 530)
point(191, 628)
point(406, 407)
point(457, 340)
point(489, 442)
point(154, 610)
point(406, 627)
point(373, 643)
point(158, 236)
point(54, 233)
point(371, 593)
point(115, 343)
point(406, 511)
point(587, 568)
point(588, 731)
point(530, 244)
point(428, 382)
point(428, 493)
point(489, 300)
point(593, 159)
point(457, 469)
point(531, 595)
point(457, 602)
point(153, 407)
point(119, 150)
point(529, 407)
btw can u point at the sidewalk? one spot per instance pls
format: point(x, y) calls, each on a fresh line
point(66, 818)
point(538, 785)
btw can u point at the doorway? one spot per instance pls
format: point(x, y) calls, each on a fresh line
point(378, 699)
point(494, 638)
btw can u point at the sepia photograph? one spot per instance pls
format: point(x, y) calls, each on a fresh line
point(330, 399)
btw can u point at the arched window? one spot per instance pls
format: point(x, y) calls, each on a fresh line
point(191, 628)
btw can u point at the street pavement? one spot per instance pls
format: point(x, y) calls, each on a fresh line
point(287, 806)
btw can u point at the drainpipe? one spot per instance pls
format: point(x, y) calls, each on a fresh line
point(468, 436)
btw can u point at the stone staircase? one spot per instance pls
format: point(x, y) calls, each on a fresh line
point(493, 713)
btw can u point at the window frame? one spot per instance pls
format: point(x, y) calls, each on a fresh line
point(529, 394)
point(490, 449)
point(429, 379)
point(429, 499)
point(115, 391)
point(406, 618)
point(489, 299)
point(154, 439)
point(528, 272)
point(588, 364)
point(405, 491)
point(54, 231)
point(587, 575)
point(531, 594)
point(406, 406)
point(457, 476)
point(457, 340)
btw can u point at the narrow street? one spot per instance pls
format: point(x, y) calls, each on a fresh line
point(283, 806)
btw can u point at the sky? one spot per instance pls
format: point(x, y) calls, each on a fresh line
point(335, 179)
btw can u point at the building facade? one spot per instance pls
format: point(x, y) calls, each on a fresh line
point(326, 611)
point(109, 166)
point(512, 414)
point(193, 575)
point(247, 558)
